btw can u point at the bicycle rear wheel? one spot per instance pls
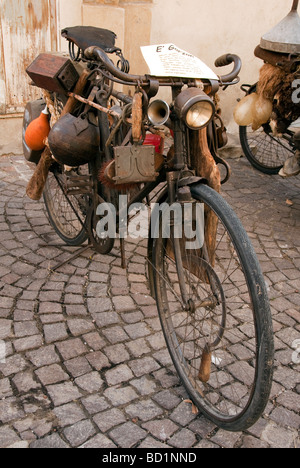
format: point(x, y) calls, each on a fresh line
point(67, 213)
point(216, 319)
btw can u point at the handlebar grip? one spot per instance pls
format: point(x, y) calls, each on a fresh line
point(224, 60)
point(227, 59)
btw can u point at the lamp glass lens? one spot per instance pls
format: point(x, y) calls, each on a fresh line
point(199, 114)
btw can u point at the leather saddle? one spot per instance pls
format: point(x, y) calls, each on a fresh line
point(87, 36)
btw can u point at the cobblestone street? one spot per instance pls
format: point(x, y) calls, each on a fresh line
point(86, 363)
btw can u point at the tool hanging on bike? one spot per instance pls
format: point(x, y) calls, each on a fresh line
point(134, 164)
point(279, 49)
point(37, 183)
point(285, 36)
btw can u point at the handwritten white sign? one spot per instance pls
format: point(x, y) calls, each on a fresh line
point(169, 60)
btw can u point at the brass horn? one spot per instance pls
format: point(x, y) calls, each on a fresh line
point(158, 112)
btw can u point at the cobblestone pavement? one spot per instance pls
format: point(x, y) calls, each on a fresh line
point(86, 364)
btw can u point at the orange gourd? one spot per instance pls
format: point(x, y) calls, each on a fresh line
point(37, 132)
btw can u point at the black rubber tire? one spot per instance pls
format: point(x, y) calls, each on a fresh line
point(263, 352)
point(271, 146)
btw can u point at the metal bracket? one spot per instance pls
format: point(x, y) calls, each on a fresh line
point(135, 164)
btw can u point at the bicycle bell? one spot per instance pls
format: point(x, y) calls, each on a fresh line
point(285, 36)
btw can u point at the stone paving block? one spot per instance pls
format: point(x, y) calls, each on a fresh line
point(138, 330)
point(25, 329)
point(5, 389)
point(5, 328)
point(78, 366)
point(28, 343)
point(117, 353)
point(99, 441)
point(144, 366)
point(167, 399)
point(51, 374)
point(71, 348)
point(90, 383)
point(118, 374)
point(162, 429)
point(7, 437)
point(25, 381)
point(79, 433)
point(183, 414)
point(55, 332)
point(123, 303)
point(183, 439)
point(63, 393)
point(285, 417)
point(10, 410)
point(144, 410)
point(115, 335)
point(80, 326)
point(53, 441)
point(226, 439)
point(109, 419)
point(13, 364)
point(98, 360)
point(95, 404)
point(127, 435)
point(69, 414)
point(120, 396)
point(145, 385)
point(277, 438)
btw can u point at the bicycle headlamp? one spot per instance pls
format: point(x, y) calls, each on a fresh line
point(195, 108)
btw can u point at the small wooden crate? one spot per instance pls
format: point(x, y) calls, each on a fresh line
point(53, 72)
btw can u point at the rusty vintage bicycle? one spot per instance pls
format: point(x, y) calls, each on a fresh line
point(207, 282)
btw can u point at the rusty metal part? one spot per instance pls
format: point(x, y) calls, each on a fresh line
point(78, 184)
point(74, 141)
point(107, 173)
point(288, 63)
point(93, 104)
point(285, 36)
point(135, 164)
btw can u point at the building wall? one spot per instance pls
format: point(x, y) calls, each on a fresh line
point(206, 29)
point(23, 25)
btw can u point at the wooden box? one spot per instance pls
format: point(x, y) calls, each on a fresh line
point(53, 72)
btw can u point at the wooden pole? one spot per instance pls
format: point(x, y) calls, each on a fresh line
point(205, 166)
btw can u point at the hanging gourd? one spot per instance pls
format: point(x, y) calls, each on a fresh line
point(37, 132)
point(262, 112)
point(243, 113)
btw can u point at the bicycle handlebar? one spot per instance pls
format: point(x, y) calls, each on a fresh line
point(227, 59)
point(97, 53)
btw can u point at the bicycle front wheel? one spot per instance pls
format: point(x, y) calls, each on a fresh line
point(216, 318)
